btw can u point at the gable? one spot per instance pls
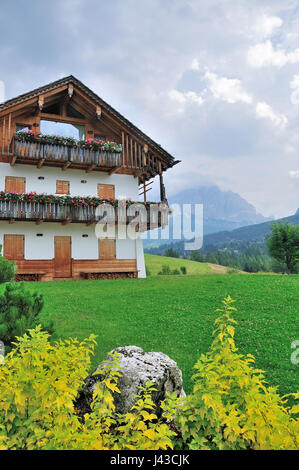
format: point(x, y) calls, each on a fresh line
point(70, 96)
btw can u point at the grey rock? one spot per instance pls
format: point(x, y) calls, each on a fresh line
point(137, 367)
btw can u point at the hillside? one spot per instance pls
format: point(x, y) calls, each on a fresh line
point(155, 262)
point(252, 234)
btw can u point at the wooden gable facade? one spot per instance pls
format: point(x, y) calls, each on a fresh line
point(69, 101)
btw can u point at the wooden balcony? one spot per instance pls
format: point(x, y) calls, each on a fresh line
point(39, 212)
point(64, 156)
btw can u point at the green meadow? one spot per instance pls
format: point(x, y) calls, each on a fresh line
point(175, 315)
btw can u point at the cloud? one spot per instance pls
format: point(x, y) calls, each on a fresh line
point(294, 84)
point(264, 110)
point(227, 89)
point(2, 91)
point(266, 25)
point(185, 98)
point(294, 174)
point(194, 64)
point(263, 54)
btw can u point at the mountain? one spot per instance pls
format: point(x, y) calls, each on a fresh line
point(250, 235)
point(222, 210)
point(220, 207)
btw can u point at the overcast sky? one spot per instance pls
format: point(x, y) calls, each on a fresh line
point(215, 82)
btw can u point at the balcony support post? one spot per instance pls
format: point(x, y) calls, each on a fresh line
point(89, 170)
point(65, 166)
point(40, 163)
point(13, 160)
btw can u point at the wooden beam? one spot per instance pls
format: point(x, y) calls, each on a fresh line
point(145, 191)
point(66, 222)
point(8, 133)
point(98, 112)
point(113, 170)
point(30, 101)
point(65, 166)
point(90, 223)
point(11, 221)
point(13, 160)
point(41, 101)
point(89, 170)
point(38, 222)
point(40, 163)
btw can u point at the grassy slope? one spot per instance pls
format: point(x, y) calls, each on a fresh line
point(175, 315)
point(155, 263)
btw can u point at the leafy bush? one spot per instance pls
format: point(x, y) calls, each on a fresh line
point(231, 406)
point(175, 271)
point(19, 310)
point(183, 269)
point(165, 270)
point(148, 271)
point(39, 384)
point(7, 269)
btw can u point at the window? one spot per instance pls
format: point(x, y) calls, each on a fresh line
point(15, 184)
point(106, 191)
point(62, 187)
point(22, 128)
point(107, 248)
point(63, 129)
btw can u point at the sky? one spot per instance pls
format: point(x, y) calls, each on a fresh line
point(215, 82)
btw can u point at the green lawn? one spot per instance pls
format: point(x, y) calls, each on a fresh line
point(175, 315)
point(155, 263)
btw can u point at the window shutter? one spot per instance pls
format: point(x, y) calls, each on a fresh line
point(15, 184)
point(106, 191)
point(107, 248)
point(62, 187)
point(14, 247)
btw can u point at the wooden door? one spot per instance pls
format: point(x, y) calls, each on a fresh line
point(107, 248)
point(14, 247)
point(62, 256)
point(15, 184)
point(106, 191)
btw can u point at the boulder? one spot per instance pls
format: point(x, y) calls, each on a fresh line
point(137, 367)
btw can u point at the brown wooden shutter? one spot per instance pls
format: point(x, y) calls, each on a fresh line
point(62, 187)
point(15, 184)
point(106, 191)
point(14, 247)
point(107, 248)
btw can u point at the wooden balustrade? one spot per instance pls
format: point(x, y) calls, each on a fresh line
point(53, 212)
point(63, 153)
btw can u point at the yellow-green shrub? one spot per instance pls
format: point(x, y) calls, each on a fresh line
point(231, 406)
point(39, 384)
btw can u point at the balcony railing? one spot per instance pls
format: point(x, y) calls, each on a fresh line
point(64, 154)
point(52, 212)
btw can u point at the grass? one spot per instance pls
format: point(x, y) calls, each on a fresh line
point(155, 263)
point(175, 315)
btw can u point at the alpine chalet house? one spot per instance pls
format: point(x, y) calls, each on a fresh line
point(64, 152)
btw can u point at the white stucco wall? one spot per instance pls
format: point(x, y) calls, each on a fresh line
point(37, 247)
point(125, 185)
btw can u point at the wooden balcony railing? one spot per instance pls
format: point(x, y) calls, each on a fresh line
point(66, 155)
point(52, 212)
